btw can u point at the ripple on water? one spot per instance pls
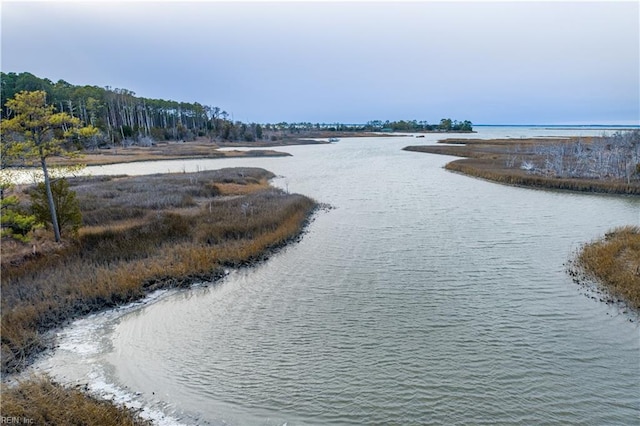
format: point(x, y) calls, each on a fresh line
point(422, 298)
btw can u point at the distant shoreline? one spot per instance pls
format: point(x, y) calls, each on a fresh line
point(202, 148)
point(568, 126)
point(500, 160)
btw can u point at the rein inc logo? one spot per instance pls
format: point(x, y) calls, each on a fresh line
point(5, 420)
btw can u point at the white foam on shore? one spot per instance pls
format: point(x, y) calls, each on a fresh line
point(102, 388)
point(78, 361)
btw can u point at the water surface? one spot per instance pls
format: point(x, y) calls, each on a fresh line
point(423, 297)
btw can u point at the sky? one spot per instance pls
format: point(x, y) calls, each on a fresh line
point(500, 62)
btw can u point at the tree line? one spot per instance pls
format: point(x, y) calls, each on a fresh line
point(123, 118)
point(40, 119)
point(445, 125)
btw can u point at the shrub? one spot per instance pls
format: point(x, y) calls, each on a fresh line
point(17, 225)
point(66, 202)
point(14, 221)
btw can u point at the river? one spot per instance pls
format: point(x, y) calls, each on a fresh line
point(422, 297)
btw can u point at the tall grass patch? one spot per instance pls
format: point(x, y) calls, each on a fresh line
point(39, 401)
point(614, 262)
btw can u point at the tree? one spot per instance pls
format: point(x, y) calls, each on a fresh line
point(445, 124)
point(36, 132)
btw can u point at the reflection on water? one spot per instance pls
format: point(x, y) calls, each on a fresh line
point(423, 297)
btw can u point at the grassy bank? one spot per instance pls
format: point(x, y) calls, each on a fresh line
point(512, 162)
point(39, 401)
point(139, 234)
point(170, 150)
point(613, 262)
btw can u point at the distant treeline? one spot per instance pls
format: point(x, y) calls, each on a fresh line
point(124, 118)
point(445, 125)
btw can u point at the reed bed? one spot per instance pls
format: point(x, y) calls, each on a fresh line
point(200, 148)
point(116, 259)
point(38, 401)
point(489, 170)
point(613, 262)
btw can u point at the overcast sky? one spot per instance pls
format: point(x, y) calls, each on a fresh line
point(350, 62)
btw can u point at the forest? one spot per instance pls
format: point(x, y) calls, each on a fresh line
point(126, 119)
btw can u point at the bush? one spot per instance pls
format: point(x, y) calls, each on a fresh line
point(15, 222)
point(66, 202)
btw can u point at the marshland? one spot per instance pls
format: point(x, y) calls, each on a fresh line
point(172, 262)
point(138, 234)
point(354, 279)
point(594, 164)
point(600, 164)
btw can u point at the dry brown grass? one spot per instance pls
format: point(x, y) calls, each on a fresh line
point(491, 169)
point(200, 148)
point(500, 160)
point(614, 263)
point(39, 401)
point(188, 229)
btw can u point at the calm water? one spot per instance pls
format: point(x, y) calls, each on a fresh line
point(423, 297)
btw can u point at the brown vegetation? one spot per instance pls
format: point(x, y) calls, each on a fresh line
point(39, 401)
point(555, 163)
point(140, 234)
point(613, 262)
point(169, 150)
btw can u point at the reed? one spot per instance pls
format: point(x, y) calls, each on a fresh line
point(488, 170)
point(613, 261)
point(200, 148)
point(39, 401)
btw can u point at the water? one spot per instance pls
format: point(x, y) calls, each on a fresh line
point(423, 297)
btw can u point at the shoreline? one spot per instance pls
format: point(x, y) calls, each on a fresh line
point(249, 252)
point(179, 285)
point(136, 155)
point(201, 148)
point(176, 247)
point(102, 394)
point(604, 266)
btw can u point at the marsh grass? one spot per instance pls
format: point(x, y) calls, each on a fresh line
point(118, 258)
point(39, 401)
point(613, 262)
point(491, 169)
point(200, 148)
point(502, 161)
